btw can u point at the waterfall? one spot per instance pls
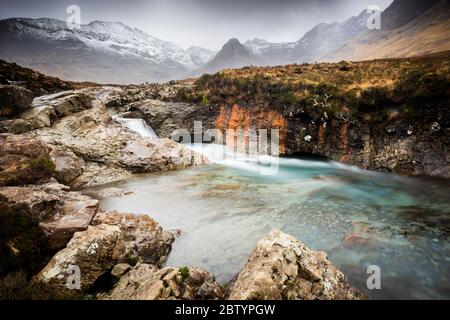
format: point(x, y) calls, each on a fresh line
point(137, 125)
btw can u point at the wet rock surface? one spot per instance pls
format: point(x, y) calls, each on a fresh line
point(146, 282)
point(68, 166)
point(58, 212)
point(281, 267)
point(23, 160)
point(415, 146)
point(90, 147)
point(65, 103)
point(112, 238)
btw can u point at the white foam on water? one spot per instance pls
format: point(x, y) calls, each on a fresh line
point(221, 154)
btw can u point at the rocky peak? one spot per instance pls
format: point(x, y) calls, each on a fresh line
point(232, 55)
point(234, 45)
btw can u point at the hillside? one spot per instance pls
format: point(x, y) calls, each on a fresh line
point(38, 83)
point(365, 113)
point(418, 32)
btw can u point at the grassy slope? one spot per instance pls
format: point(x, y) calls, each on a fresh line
point(37, 82)
point(427, 34)
point(344, 90)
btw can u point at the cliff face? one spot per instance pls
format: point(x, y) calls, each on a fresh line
point(238, 118)
point(388, 115)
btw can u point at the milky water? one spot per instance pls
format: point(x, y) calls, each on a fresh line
point(359, 218)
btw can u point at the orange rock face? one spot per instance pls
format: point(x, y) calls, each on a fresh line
point(240, 118)
point(343, 135)
point(321, 136)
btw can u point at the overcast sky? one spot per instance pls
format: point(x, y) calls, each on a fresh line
point(205, 23)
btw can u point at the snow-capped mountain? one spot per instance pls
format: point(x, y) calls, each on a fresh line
point(314, 45)
point(112, 52)
point(99, 51)
point(323, 38)
point(317, 42)
point(199, 56)
point(409, 27)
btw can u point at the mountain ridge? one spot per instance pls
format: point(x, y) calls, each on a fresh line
point(66, 53)
point(112, 52)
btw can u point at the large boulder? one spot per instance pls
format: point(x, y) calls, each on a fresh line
point(14, 100)
point(58, 212)
point(144, 238)
point(94, 251)
point(22, 145)
point(33, 202)
point(40, 117)
point(281, 267)
point(146, 282)
point(24, 160)
point(143, 155)
point(113, 238)
point(65, 103)
point(75, 215)
point(68, 166)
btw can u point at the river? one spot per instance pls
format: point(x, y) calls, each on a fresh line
point(359, 218)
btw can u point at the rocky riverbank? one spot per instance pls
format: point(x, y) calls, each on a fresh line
point(56, 142)
point(53, 144)
point(122, 256)
point(387, 115)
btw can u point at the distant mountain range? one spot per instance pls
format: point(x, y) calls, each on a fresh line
point(105, 52)
point(111, 52)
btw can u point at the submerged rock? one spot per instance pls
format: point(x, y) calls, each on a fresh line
point(109, 193)
point(281, 267)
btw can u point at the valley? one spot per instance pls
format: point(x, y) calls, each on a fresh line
point(132, 168)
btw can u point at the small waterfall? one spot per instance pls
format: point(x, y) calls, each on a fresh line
point(137, 125)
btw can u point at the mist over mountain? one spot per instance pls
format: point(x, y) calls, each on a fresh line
point(105, 52)
point(313, 45)
point(232, 55)
point(112, 52)
point(408, 28)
